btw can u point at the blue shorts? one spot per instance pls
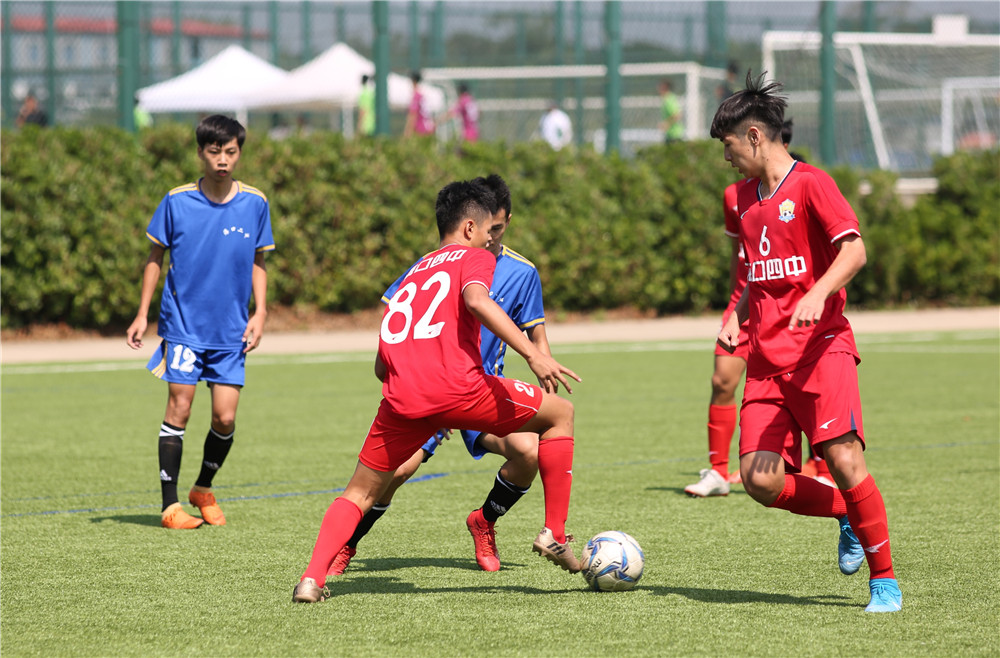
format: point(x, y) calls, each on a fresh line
point(179, 364)
point(471, 438)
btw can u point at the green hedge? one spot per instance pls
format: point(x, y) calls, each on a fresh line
point(349, 216)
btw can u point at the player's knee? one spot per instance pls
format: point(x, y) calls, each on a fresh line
point(224, 422)
point(761, 486)
point(523, 449)
point(723, 385)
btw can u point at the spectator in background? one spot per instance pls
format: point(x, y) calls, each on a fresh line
point(728, 88)
point(468, 110)
point(672, 122)
point(556, 127)
point(140, 116)
point(366, 108)
point(31, 112)
point(418, 119)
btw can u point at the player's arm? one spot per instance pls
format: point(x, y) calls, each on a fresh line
point(255, 327)
point(851, 257)
point(729, 336)
point(734, 263)
point(150, 277)
point(380, 370)
point(549, 371)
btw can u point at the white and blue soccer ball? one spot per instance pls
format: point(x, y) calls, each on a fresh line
point(612, 562)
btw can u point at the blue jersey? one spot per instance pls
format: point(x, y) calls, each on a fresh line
point(517, 289)
point(212, 248)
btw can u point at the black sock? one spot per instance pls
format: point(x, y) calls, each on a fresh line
point(171, 446)
point(502, 497)
point(366, 523)
point(216, 448)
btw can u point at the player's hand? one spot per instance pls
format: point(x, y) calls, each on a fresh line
point(133, 336)
point(808, 311)
point(253, 333)
point(442, 435)
point(729, 337)
point(551, 373)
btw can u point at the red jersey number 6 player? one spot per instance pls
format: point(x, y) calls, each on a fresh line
point(802, 246)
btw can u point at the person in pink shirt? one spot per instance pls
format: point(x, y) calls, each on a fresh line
point(418, 117)
point(467, 110)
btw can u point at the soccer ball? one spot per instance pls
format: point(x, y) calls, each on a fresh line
point(612, 562)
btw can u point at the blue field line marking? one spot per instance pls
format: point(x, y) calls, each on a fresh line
point(287, 494)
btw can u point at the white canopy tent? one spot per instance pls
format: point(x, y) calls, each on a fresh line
point(331, 81)
point(222, 83)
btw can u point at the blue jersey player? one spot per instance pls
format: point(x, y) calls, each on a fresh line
point(217, 230)
point(517, 289)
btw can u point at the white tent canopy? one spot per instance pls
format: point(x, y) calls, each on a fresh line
point(333, 80)
point(222, 83)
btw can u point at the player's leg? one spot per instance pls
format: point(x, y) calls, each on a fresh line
point(512, 481)
point(402, 474)
point(868, 520)
point(554, 424)
point(218, 441)
point(721, 426)
point(339, 522)
point(770, 439)
point(171, 448)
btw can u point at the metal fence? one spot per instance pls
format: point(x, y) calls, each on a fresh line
point(72, 56)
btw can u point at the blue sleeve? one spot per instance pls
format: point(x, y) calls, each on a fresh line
point(533, 310)
point(265, 239)
point(161, 226)
point(391, 290)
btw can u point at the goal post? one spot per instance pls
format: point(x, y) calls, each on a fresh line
point(901, 99)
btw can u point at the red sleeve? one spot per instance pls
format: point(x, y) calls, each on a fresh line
point(478, 268)
point(829, 206)
point(731, 213)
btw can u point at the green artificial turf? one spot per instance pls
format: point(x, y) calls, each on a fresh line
point(87, 571)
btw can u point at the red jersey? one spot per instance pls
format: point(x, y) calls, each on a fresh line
point(429, 341)
point(732, 216)
point(789, 240)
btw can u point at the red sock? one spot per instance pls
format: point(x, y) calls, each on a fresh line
point(555, 465)
point(866, 511)
point(721, 425)
point(804, 495)
point(339, 522)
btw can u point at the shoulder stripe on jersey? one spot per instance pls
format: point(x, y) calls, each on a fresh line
point(847, 232)
point(187, 187)
point(532, 323)
point(516, 256)
point(269, 247)
point(148, 235)
point(252, 190)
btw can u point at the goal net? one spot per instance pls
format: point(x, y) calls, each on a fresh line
point(900, 99)
point(512, 100)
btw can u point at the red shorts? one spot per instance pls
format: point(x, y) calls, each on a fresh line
point(820, 399)
point(743, 348)
point(504, 407)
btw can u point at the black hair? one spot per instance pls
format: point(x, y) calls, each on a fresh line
point(219, 129)
point(758, 103)
point(500, 190)
point(460, 200)
point(797, 156)
point(462, 88)
point(786, 132)
point(364, 79)
point(415, 76)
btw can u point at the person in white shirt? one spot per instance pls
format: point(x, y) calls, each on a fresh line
point(556, 127)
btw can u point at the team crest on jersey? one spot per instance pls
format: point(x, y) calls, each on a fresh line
point(238, 231)
point(786, 211)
